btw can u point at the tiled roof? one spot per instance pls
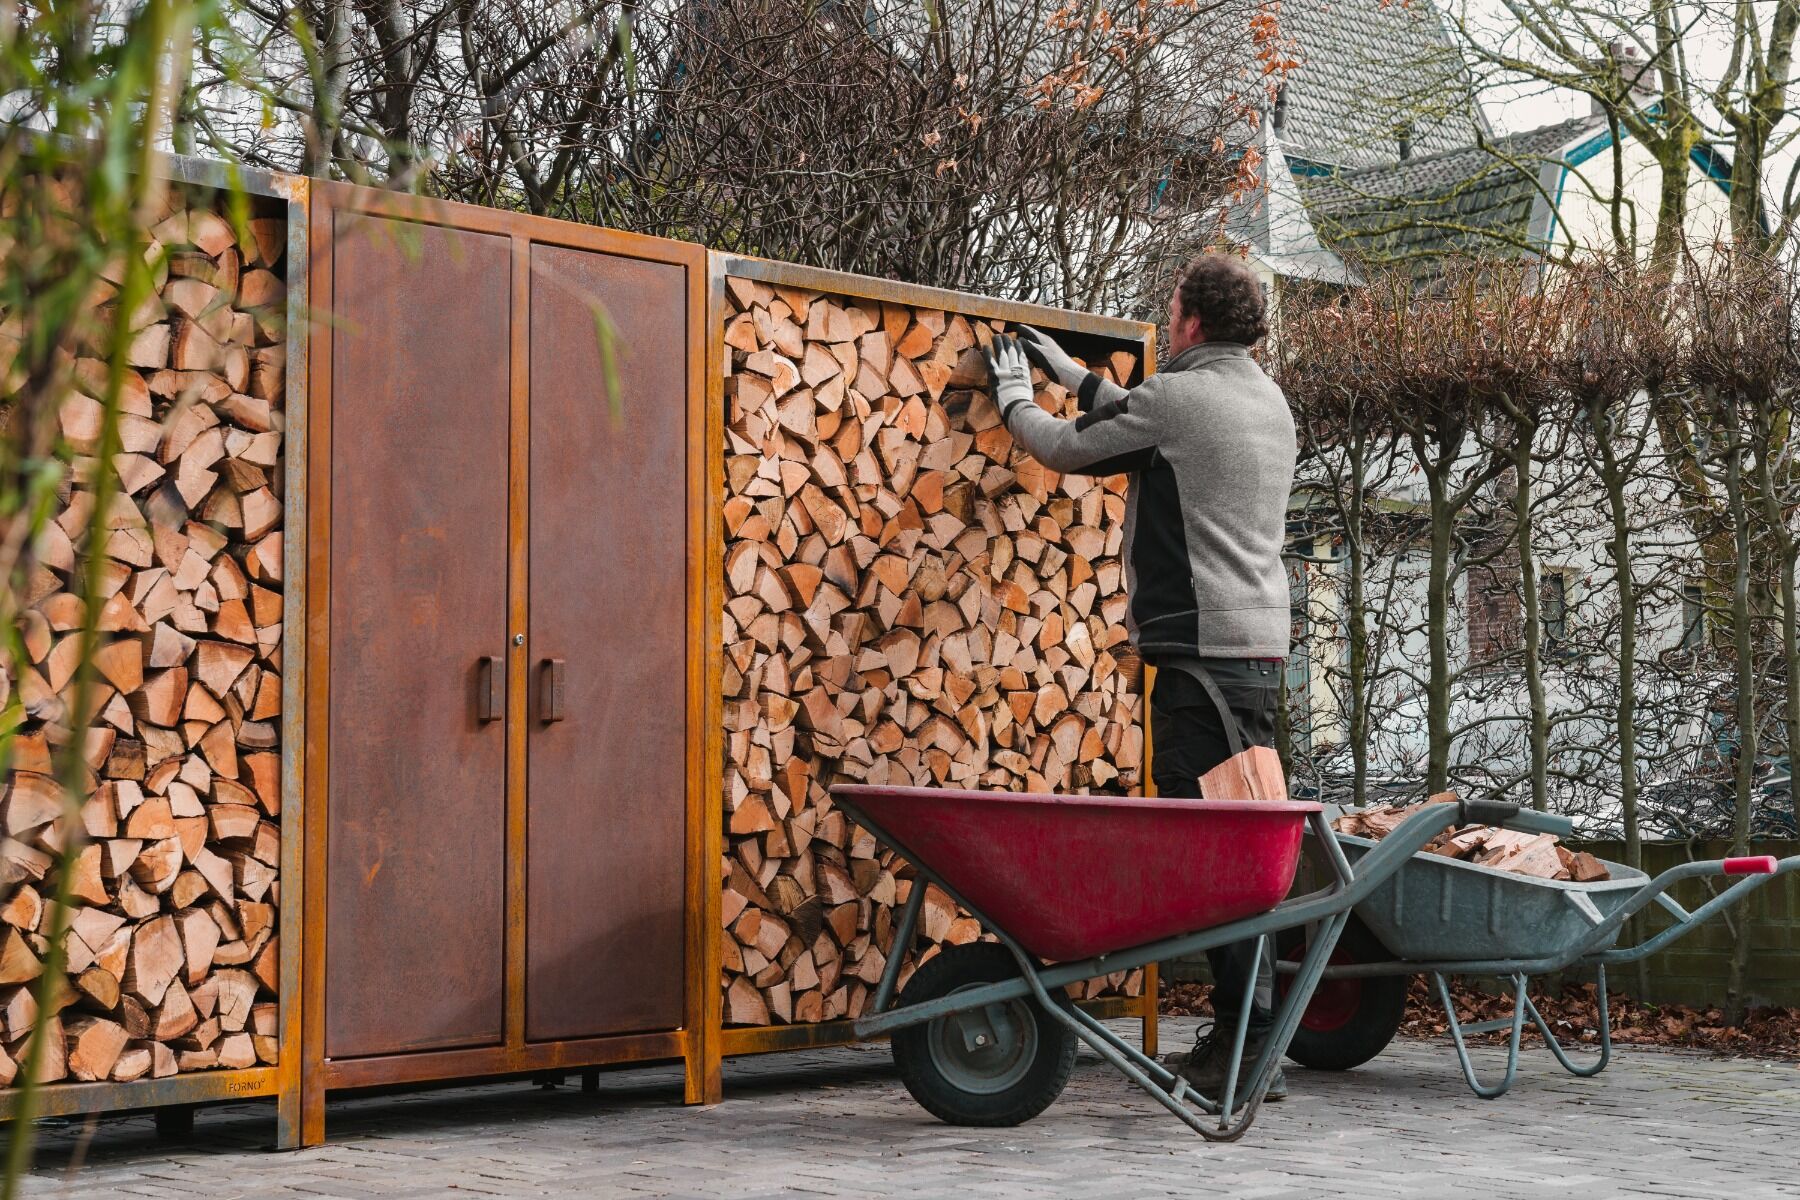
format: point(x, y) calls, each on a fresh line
point(1369, 68)
point(1476, 198)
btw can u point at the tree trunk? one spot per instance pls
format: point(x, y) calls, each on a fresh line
point(1626, 714)
point(329, 68)
point(1356, 628)
point(1615, 476)
point(1767, 107)
point(1437, 631)
point(1538, 734)
point(1672, 149)
point(1743, 645)
point(1790, 654)
point(1787, 561)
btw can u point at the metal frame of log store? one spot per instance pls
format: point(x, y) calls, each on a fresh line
point(1093, 336)
point(423, 336)
point(173, 1097)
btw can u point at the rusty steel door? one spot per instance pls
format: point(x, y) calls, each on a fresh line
point(507, 648)
point(415, 831)
point(606, 709)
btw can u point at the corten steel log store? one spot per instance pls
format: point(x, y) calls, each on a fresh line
point(501, 819)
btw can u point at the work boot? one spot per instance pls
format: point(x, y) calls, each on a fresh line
point(1209, 1062)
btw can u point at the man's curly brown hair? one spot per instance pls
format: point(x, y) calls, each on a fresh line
point(1226, 295)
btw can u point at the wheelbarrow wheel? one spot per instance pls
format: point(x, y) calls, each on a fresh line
point(1349, 1021)
point(998, 1065)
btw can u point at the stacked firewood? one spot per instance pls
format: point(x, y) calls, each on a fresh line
point(909, 600)
point(170, 947)
point(1539, 854)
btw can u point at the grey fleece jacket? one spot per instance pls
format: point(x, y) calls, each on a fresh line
point(1209, 443)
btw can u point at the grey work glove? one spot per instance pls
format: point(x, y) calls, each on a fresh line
point(1088, 388)
point(1009, 374)
point(1050, 358)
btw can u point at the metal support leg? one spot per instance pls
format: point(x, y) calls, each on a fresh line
point(175, 1122)
point(1152, 997)
point(1241, 1034)
point(1520, 1003)
point(900, 946)
point(1582, 1070)
point(1173, 1092)
point(1163, 1087)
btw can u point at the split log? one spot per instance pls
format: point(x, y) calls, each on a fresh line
point(99, 985)
point(199, 939)
point(1255, 774)
point(134, 1063)
point(94, 1046)
point(54, 1064)
point(1588, 869)
point(31, 800)
point(18, 962)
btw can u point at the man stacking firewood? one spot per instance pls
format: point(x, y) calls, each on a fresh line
point(1209, 444)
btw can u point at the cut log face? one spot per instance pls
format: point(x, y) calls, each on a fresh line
point(910, 600)
point(94, 1045)
point(182, 805)
point(1255, 774)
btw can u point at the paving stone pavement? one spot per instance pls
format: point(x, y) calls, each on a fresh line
point(838, 1123)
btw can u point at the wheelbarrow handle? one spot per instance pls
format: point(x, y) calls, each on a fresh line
point(1502, 812)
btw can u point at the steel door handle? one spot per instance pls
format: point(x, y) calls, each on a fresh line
point(490, 694)
point(550, 691)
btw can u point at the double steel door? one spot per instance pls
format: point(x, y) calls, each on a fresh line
point(504, 607)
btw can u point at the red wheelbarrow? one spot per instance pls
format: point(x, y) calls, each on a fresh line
point(1075, 887)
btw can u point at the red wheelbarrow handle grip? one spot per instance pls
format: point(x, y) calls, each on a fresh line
point(1756, 864)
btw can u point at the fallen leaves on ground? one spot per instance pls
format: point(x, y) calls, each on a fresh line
point(1573, 1016)
point(1183, 999)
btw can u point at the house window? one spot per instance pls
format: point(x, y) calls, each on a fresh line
point(1553, 612)
point(1693, 616)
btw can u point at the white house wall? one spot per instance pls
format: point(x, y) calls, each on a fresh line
point(1584, 219)
point(1574, 534)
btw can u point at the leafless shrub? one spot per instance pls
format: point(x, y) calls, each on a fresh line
point(1041, 149)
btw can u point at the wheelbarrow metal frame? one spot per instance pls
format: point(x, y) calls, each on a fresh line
point(1327, 910)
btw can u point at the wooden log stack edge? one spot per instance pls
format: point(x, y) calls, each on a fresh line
point(171, 943)
point(909, 599)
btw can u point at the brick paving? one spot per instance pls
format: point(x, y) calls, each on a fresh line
point(838, 1123)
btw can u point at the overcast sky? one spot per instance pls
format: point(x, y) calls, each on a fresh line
point(1532, 105)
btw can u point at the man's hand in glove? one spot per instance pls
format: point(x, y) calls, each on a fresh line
point(1009, 374)
point(1089, 389)
point(1050, 358)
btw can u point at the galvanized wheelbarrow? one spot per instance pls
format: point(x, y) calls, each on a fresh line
point(1441, 917)
point(1075, 887)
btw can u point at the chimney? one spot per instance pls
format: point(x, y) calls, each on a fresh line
point(1406, 133)
point(1634, 71)
point(1279, 120)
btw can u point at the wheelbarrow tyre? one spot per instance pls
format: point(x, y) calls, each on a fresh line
point(1349, 1021)
point(1007, 1085)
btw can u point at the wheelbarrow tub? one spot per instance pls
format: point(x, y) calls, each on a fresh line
point(1438, 909)
point(1070, 877)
